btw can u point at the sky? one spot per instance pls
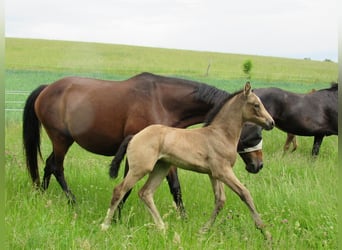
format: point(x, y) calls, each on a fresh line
point(280, 28)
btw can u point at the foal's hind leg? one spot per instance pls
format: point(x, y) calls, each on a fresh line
point(146, 192)
point(118, 193)
point(122, 202)
point(220, 199)
point(174, 186)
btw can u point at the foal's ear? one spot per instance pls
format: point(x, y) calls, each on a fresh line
point(247, 89)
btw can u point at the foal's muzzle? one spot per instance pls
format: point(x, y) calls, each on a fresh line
point(269, 124)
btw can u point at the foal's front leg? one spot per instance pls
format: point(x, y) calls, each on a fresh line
point(230, 179)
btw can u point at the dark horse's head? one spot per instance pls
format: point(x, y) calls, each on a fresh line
point(250, 147)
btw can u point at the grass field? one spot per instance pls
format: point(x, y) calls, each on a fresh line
point(295, 194)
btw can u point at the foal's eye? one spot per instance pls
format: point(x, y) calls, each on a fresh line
point(256, 105)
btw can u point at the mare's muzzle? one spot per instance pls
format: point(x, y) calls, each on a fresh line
point(252, 157)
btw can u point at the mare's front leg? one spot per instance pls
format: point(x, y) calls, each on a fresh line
point(232, 181)
point(317, 144)
point(220, 199)
point(175, 189)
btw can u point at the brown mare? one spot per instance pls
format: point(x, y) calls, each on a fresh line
point(99, 114)
point(210, 150)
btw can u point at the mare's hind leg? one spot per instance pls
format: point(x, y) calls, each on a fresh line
point(316, 145)
point(175, 189)
point(230, 179)
point(146, 192)
point(54, 165)
point(118, 193)
point(48, 171)
point(220, 199)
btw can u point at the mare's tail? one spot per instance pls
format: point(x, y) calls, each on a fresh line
point(115, 165)
point(31, 135)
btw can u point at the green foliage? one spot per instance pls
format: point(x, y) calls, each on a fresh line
point(247, 67)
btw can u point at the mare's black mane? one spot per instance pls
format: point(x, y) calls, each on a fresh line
point(202, 91)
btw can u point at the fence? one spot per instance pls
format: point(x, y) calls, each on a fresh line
point(14, 106)
point(15, 100)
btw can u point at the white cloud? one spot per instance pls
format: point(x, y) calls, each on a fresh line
point(293, 28)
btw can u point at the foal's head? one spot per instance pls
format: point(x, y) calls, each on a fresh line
point(254, 111)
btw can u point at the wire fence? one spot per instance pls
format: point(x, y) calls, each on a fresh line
point(15, 100)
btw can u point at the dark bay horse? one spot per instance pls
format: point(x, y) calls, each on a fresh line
point(312, 114)
point(210, 150)
point(291, 138)
point(99, 114)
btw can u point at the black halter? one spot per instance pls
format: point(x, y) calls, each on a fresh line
point(250, 139)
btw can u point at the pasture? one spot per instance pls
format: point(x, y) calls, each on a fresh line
point(295, 194)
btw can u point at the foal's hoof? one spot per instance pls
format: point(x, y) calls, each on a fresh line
point(104, 227)
point(267, 236)
point(204, 230)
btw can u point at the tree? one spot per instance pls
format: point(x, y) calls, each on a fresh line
point(247, 67)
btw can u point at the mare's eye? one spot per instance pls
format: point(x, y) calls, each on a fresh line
point(256, 105)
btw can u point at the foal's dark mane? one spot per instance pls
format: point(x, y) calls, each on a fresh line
point(213, 112)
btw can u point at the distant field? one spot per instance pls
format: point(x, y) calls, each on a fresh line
point(124, 61)
point(295, 194)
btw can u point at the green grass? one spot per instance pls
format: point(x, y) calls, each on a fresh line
point(120, 60)
point(295, 194)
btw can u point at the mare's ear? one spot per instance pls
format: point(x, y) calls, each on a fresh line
point(247, 89)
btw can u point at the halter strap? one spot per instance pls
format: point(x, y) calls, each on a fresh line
point(251, 149)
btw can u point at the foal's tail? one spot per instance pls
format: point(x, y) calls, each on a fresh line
point(31, 135)
point(115, 165)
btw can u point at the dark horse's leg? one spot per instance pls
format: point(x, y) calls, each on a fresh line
point(175, 190)
point(317, 144)
point(54, 165)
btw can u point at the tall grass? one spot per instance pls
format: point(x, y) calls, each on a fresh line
point(294, 193)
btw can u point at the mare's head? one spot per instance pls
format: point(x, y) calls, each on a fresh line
point(254, 111)
point(250, 147)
